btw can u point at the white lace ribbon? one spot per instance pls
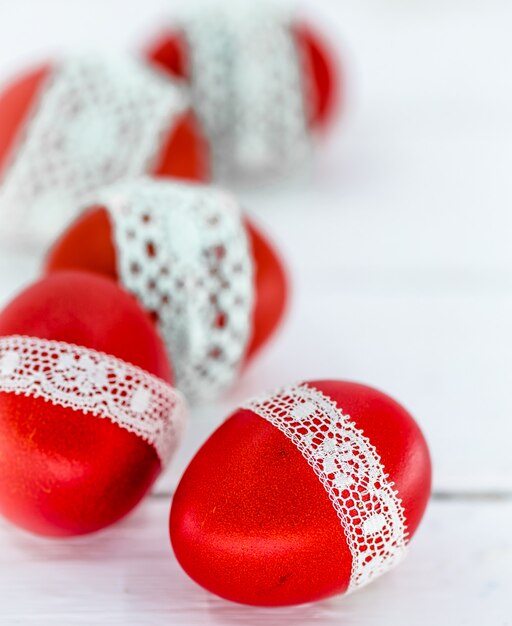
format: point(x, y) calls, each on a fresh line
point(94, 383)
point(248, 87)
point(350, 469)
point(182, 249)
point(95, 121)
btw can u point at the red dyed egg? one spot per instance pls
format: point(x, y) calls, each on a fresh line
point(90, 244)
point(311, 491)
point(81, 123)
point(256, 55)
point(319, 66)
point(86, 405)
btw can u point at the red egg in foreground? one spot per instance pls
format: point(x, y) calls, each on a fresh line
point(208, 276)
point(254, 73)
point(70, 127)
point(311, 491)
point(88, 415)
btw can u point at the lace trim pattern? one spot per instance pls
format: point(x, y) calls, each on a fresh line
point(94, 383)
point(97, 120)
point(350, 469)
point(182, 249)
point(248, 88)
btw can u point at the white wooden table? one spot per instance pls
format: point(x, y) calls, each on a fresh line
point(398, 243)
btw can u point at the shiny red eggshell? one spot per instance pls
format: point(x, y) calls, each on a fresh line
point(88, 245)
point(250, 520)
point(63, 472)
point(184, 152)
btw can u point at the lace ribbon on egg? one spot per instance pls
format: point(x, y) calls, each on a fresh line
point(351, 471)
point(94, 383)
point(183, 251)
point(95, 121)
point(248, 87)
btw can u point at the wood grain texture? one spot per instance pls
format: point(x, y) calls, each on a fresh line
point(456, 573)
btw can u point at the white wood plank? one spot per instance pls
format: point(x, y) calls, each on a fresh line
point(416, 176)
point(459, 571)
point(445, 356)
point(443, 352)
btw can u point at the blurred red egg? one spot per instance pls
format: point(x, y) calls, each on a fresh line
point(90, 244)
point(322, 77)
point(70, 127)
point(251, 71)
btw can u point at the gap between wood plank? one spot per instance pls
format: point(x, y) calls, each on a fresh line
point(438, 496)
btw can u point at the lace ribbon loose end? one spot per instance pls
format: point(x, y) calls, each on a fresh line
point(351, 471)
point(95, 383)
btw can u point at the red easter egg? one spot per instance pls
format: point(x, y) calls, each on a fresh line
point(311, 491)
point(322, 77)
point(89, 244)
point(262, 83)
point(184, 149)
point(64, 471)
point(69, 128)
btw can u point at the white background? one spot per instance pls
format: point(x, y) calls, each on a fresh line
point(398, 246)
